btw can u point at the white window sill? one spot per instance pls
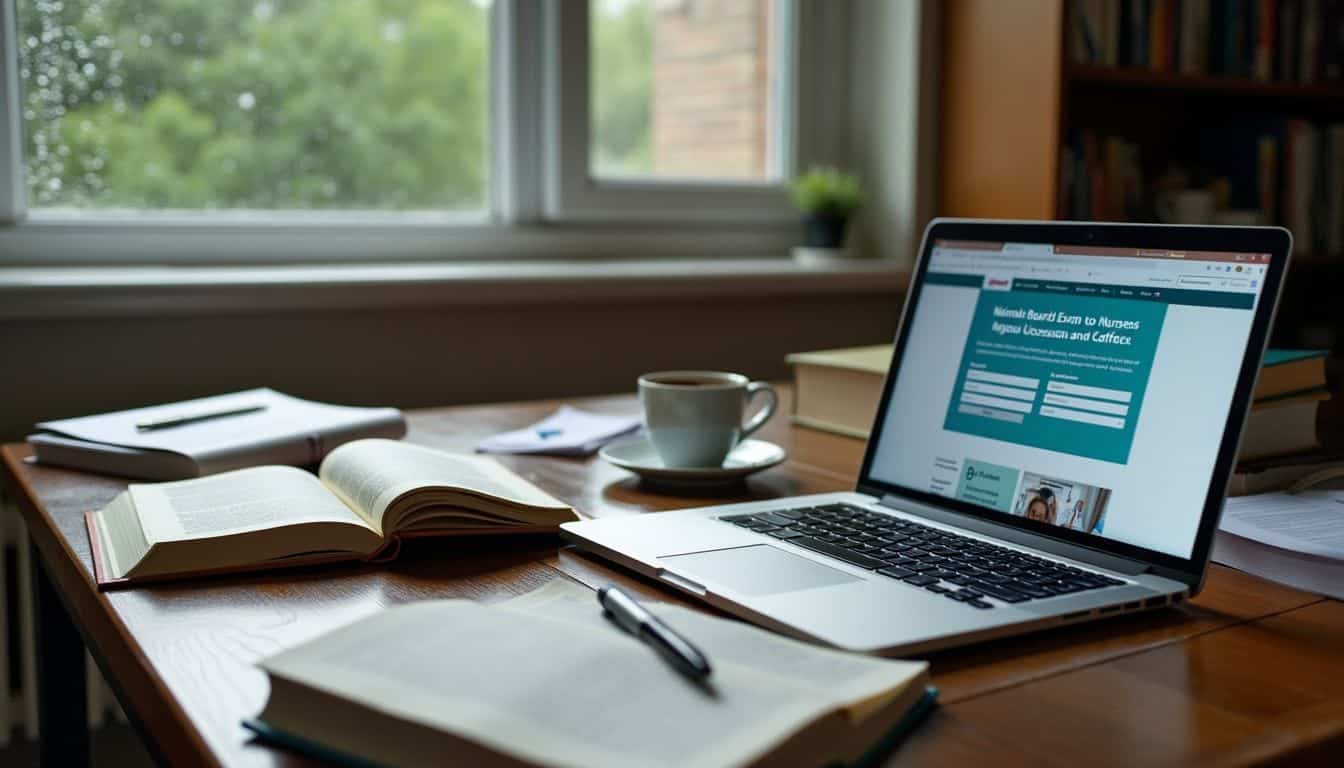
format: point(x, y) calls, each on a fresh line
point(30, 292)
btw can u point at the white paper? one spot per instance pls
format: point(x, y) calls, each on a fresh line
point(1311, 522)
point(567, 432)
point(1294, 539)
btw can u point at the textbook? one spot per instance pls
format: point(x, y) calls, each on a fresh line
point(1291, 371)
point(545, 680)
point(367, 496)
point(837, 390)
point(209, 435)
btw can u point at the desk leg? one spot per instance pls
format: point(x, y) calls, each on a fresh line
point(61, 696)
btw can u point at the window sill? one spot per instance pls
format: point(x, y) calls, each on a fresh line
point(35, 292)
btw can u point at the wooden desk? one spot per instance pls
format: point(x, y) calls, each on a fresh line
point(1249, 672)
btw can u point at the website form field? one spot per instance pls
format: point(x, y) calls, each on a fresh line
point(982, 388)
point(1065, 388)
point(1098, 406)
point(996, 402)
point(1084, 417)
point(976, 374)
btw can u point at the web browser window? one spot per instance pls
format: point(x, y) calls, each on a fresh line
point(1082, 387)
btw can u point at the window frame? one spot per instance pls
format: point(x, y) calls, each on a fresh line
point(538, 132)
point(573, 192)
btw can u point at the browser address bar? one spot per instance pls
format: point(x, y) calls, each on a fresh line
point(1003, 260)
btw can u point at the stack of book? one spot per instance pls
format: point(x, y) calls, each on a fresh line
point(1282, 442)
point(837, 390)
point(1266, 40)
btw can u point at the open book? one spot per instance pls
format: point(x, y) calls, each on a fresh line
point(544, 679)
point(368, 495)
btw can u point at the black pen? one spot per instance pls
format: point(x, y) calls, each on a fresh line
point(635, 619)
point(183, 419)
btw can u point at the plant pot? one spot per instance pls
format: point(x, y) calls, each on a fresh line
point(825, 230)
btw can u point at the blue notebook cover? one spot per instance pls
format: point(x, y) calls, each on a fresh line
point(872, 757)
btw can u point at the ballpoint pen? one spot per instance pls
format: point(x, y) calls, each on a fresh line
point(183, 419)
point(635, 619)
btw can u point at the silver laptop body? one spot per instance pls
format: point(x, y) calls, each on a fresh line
point(1018, 475)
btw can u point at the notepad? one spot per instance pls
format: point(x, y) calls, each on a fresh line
point(546, 680)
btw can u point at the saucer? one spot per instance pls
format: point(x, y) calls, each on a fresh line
point(637, 455)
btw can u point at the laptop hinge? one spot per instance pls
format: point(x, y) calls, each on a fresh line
point(1111, 562)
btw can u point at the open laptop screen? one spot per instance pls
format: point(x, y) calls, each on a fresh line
point(1080, 387)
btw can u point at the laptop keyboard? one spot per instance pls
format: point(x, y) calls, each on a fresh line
point(958, 567)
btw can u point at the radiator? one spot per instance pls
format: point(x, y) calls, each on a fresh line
point(18, 698)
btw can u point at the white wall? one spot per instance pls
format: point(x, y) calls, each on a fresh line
point(893, 117)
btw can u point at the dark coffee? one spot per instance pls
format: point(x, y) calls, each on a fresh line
point(689, 382)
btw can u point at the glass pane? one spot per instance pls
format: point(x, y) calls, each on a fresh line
point(260, 104)
point(682, 88)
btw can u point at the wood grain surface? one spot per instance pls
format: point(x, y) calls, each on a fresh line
point(1247, 672)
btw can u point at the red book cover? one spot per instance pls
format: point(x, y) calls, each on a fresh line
point(1267, 14)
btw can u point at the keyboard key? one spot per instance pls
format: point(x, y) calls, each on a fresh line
point(839, 553)
point(792, 514)
point(937, 589)
point(981, 604)
point(1003, 593)
point(735, 518)
point(785, 533)
point(773, 519)
point(920, 581)
point(895, 573)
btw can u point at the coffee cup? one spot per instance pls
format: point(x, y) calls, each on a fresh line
point(1186, 206)
point(694, 418)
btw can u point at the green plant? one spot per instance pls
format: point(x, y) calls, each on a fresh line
point(827, 192)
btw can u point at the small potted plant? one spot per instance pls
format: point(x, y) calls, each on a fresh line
point(828, 199)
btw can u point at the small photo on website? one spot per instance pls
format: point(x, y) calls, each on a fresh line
point(1065, 503)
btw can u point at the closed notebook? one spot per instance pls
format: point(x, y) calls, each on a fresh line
point(282, 430)
point(368, 496)
point(545, 680)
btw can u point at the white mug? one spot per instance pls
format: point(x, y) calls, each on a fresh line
point(694, 418)
point(1186, 206)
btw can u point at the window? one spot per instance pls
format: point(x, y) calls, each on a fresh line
point(441, 127)
point(683, 89)
point(254, 104)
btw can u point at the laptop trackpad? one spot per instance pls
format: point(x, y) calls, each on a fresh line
point(756, 570)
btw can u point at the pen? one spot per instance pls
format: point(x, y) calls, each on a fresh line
point(635, 619)
point(191, 418)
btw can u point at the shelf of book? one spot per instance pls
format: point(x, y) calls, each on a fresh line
point(1091, 76)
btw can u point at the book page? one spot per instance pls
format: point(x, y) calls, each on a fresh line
point(245, 500)
point(845, 678)
point(369, 474)
point(559, 691)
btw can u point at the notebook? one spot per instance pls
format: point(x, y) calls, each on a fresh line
point(545, 680)
point(367, 496)
point(279, 430)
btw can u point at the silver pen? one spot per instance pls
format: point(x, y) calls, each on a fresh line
point(183, 419)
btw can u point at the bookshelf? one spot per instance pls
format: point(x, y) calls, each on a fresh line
point(1023, 112)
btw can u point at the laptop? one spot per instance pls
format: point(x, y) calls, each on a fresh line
point(1052, 445)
